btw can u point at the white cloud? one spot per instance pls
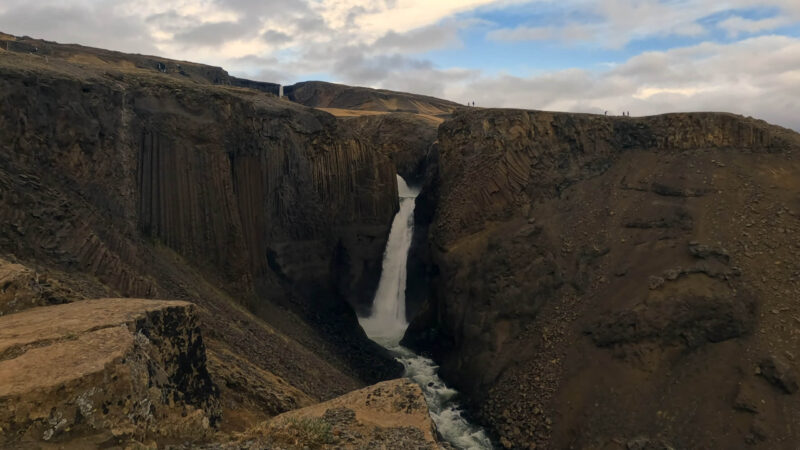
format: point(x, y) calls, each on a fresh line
point(648, 92)
point(758, 77)
point(523, 34)
point(380, 43)
point(738, 25)
point(615, 23)
point(374, 18)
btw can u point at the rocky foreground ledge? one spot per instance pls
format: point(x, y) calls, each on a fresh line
point(387, 415)
point(132, 372)
point(104, 371)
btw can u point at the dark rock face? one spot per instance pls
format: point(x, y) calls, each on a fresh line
point(421, 270)
point(779, 373)
point(270, 88)
point(404, 138)
point(157, 186)
point(691, 321)
point(296, 195)
point(598, 276)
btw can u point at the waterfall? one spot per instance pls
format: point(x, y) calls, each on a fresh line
point(387, 323)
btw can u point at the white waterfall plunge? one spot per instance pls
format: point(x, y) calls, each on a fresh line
point(387, 323)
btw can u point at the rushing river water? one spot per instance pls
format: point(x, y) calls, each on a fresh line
point(387, 323)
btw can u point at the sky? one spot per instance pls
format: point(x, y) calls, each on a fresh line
point(641, 56)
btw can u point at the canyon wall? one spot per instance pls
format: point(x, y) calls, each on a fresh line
point(404, 138)
point(610, 282)
point(117, 180)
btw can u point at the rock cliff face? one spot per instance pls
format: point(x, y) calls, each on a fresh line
point(409, 141)
point(610, 282)
point(104, 372)
point(120, 180)
point(404, 138)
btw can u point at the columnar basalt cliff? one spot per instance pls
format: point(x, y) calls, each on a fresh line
point(119, 180)
point(404, 138)
point(609, 282)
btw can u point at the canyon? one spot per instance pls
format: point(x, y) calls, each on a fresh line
point(185, 255)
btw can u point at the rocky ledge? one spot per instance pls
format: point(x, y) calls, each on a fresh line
point(391, 414)
point(104, 372)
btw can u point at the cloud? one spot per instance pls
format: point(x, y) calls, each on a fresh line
point(84, 23)
point(213, 34)
point(523, 34)
point(276, 37)
point(739, 25)
point(396, 44)
point(374, 18)
point(703, 77)
point(615, 23)
point(419, 39)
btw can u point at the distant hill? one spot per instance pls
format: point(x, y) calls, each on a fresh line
point(327, 96)
point(80, 55)
point(324, 95)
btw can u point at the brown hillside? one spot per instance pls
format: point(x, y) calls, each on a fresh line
point(320, 94)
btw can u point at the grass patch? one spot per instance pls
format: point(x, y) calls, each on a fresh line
point(311, 431)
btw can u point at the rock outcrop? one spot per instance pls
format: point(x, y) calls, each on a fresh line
point(605, 282)
point(391, 414)
point(104, 372)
